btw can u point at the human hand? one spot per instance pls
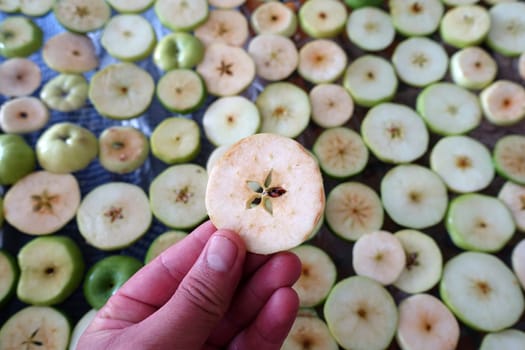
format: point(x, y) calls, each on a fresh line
point(205, 292)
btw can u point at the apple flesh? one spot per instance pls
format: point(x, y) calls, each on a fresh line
point(17, 159)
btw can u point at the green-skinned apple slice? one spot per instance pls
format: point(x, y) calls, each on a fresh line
point(275, 56)
point(414, 196)
point(19, 37)
point(177, 196)
point(449, 109)
point(353, 209)
point(178, 50)
point(122, 149)
point(513, 195)
point(128, 37)
point(19, 76)
point(41, 327)
point(121, 91)
point(356, 4)
point(518, 262)
point(51, 269)
point(505, 339)
point(309, 332)
point(23, 115)
point(114, 215)
point(425, 322)
point(420, 61)
point(42, 202)
point(181, 15)
point(82, 16)
point(509, 159)
point(70, 53)
point(321, 61)
point(318, 275)
point(10, 6)
point(416, 17)
point(380, 256)
point(285, 109)
point(176, 140)
point(507, 28)
point(395, 133)
point(65, 92)
point(341, 152)
point(464, 26)
point(503, 102)
point(229, 119)
point(36, 8)
point(131, 6)
point(361, 314)
point(181, 90)
point(370, 28)
point(473, 68)
point(464, 164)
point(274, 18)
point(269, 189)
point(226, 70)
point(163, 242)
point(323, 18)
point(479, 222)
point(80, 327)
point(423, 265)
point(481, 291)
point(370, 80)
point(332, 105)
point(9, 273)
point(227, 26)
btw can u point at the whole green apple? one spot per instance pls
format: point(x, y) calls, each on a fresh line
point(362, 3)
point(178, 50)
point(65, 92)
point(66, 148)
point(106, 276)
point(17, 159)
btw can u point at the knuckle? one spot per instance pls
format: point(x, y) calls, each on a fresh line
point(203, 297)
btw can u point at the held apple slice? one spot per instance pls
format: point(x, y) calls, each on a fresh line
point(269, 189)
point(42, 202)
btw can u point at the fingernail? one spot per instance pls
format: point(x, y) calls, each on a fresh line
point(221, 253)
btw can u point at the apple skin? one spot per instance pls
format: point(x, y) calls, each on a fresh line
point(17, 159)
point(12, 261)
point(106, 276)
point(66, 148)
point(355, 4)
point(178, 50)
point(28, 47)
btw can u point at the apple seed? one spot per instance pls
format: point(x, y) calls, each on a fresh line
point(31, 340)
point(114, 214)
point(43, 203)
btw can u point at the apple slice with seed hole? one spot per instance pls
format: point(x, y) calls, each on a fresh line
point(82, 16)
point(416, 17)
point(505, 339)
point(509, 158)
point(370, 28)
point(122, 149)
point(321, 61)
point(275, 56)
point(274, 18)
point(473, 68)
point(176, 140)
point(503, 102)
point(23, 115)
point(20, 77)
point(322, 18)
point(224, 26)
point(309, 332)
point(332, 105)
point(181, 15)
point(131, 6)
point(70, 53)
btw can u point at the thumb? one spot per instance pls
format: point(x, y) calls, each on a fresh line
point(203, 296)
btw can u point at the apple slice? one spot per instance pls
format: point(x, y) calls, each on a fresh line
point(507, 28)
point(82, 16)
point(226, 70)
point(370, 28)
point(178, 50)
point(464, 164)
point(122, 149)
point(518, 261)
point(36, 8)
point(226, 4)
point(505, 339)
point(163, 242)
point(285, 109)
point(425, 322)
point(473, 68)
point(80, 327)
point(37, 326)
point(414, 196)
point(318, 275)
point(481, 291)
point(274, 18)
point(19, 37)
point(353, 209)
point(275, 56)
point(42, 202)
point(181, 90)
point(20, 77)
point(9, 272)
point(177, 196)
point(181, 15)
point(121, 91)
point(229, 119)
point(309, 332)
point(464, 26)
point(176, 140)
point(131, 6)
point(269, 189)
point(114, 215)
point(361, 314)
point(65, 92)
point(341, 152)
point(23, 115)
point(10, 6)
point(503, 102)
point(416, 17)
point(423, 265)
point(508, 158)
point(223, 26)
point(321, 61)
point(513, 195)
point(51, 269)
point(214, 156)
point(323, 18)
point(332, 105)
point(70, 53)
point(128, 37)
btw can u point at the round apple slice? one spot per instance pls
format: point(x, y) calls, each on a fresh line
point(321, 61)
point(503, 102)
point(309, 332)
point(465, 26)
point(224, 26)
point(275, 56)
point(509, 158)
point(507, 28)
point(513, 195)
point(473, 68)
point(82, 16)
point(370, 28)
point(9, 272)
point(131, 6)
point(19, 77)
point(42, 202)
point(274, 18)
point(181, 90)
point(322, 18)
point(70, 53)
point(122, 149)
point(518, 261)
point(23, 115)
point(176, 140)
point(163, 242)
point(10, 6)
point(36, 8)
point(505, 339)
point(181, 15)
point(121, 91)
point(19, 37)
point(114, 215)
point(269, 189)
point(332, 105)
point(416, 17)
